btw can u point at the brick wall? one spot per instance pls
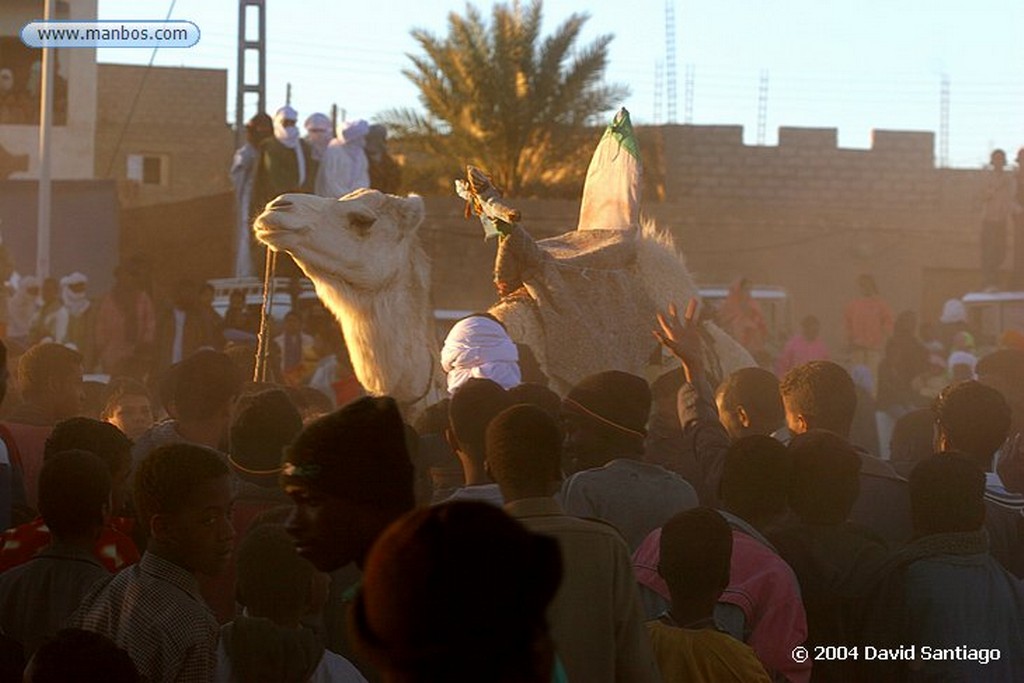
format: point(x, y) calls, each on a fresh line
point(180, 114)
point(806, 167)
point(805, 215)
point(816, 253)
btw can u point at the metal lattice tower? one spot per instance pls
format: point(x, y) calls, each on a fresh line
point(659, 76)
point(944, 122)
point(670, 60)
point(691, 72)
point(248, 49)
point(762, 107)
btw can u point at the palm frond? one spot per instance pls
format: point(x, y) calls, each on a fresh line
point(497, 94)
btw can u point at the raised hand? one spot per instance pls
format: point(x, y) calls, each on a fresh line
point(682, 338)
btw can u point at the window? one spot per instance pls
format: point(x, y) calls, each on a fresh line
point(148, 169)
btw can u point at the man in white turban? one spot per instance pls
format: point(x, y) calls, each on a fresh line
point(81, 316)
point(344, 166)
point(479, 346)
point(319, 133)
point(22, 308)
point(244, 167)
point(286, 160)
point(286, 165)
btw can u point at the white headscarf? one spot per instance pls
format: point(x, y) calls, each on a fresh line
point(289, 136)
point(953, 311)
point(286, 135)
point(319, 132)
point(354, 132)
point(480, 347)
point(23, 307)
point(344, 166)
point(77, 303)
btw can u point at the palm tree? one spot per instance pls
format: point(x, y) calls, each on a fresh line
point(500, 97)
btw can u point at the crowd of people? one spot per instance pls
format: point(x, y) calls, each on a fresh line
point(132, 332)
point(169, 514)
point(184, 523)
point(276, 159)
point(898, 363)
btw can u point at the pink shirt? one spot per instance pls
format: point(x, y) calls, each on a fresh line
point(800, 350)
point(868, 322)
point(763, 586)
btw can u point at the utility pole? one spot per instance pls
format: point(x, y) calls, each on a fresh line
point(944, 122)
point(45, 135)
point(762, 107)
point(688, 93)
point(659, 75)
point(670, 60)
point(258, 46)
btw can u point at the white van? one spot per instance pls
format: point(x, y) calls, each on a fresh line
point(253, 289)
point(992, 313)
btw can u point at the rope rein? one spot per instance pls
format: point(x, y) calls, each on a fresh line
point(263, 344)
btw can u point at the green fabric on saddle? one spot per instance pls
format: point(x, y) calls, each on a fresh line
point(621, 129)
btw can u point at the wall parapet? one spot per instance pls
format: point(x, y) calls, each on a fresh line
point(806, 166)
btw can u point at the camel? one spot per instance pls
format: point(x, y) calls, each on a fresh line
point(364, 256)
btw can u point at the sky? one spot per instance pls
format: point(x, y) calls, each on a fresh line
point(855, 65)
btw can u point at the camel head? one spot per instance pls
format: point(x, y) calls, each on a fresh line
point(363, 240)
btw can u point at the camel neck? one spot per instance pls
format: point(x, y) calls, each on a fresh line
point(388, 336)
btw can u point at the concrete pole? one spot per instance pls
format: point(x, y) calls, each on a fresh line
point(240, 80)
point(45, 133)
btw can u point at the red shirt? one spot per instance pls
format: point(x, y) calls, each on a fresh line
point(114, 549)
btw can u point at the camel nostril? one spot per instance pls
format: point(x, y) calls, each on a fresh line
point(279, 203)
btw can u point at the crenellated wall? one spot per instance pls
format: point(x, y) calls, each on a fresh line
point(805, 214)
point(807, 166)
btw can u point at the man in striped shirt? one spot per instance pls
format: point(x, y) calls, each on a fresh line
point(154, 610)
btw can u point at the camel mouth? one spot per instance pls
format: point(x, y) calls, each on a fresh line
point(266, 226)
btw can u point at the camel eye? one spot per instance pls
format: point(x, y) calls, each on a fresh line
point(361, 223)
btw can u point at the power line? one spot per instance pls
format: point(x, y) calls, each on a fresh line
point(135, 100)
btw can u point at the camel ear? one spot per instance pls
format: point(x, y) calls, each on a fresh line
point(412, 211)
